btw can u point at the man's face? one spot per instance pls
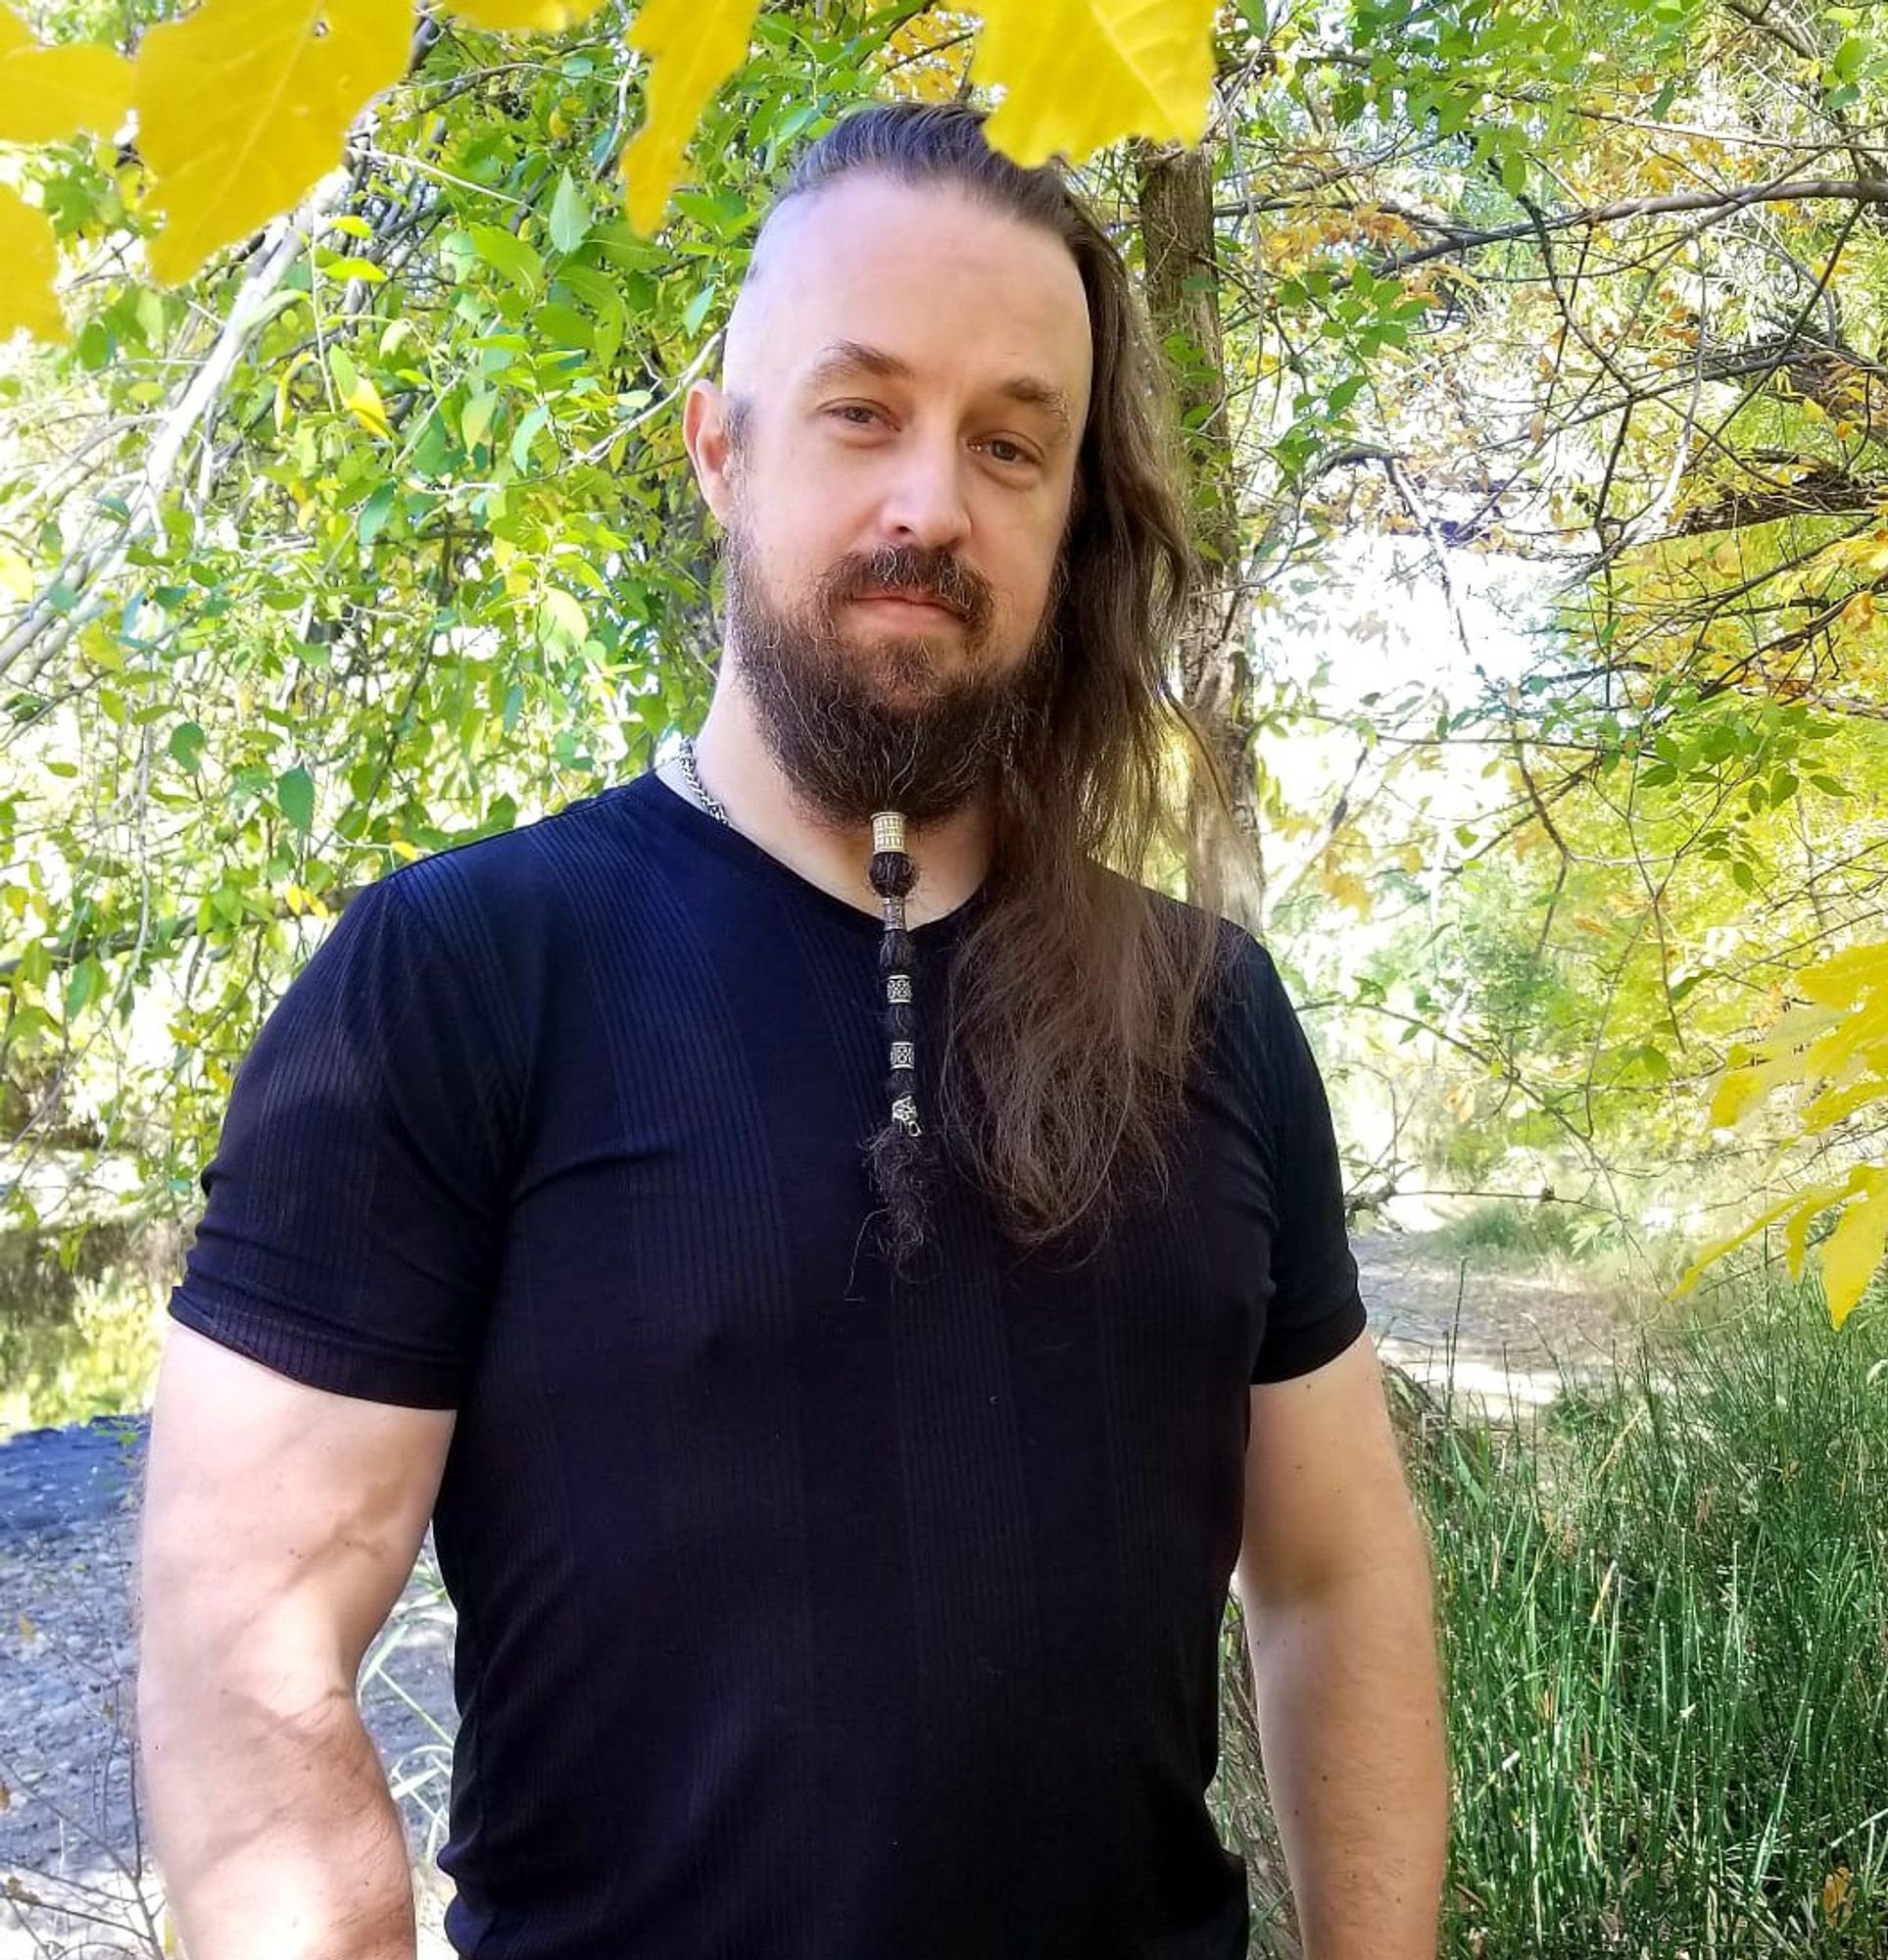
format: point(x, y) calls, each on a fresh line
point(914, 375)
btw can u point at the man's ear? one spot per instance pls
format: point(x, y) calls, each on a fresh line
point(704, 434)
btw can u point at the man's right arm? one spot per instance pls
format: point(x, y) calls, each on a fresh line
point(280, 1524)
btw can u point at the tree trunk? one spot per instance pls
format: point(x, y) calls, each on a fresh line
point(1180, 280)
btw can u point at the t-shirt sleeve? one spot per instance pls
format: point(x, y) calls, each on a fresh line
point(356, 1199)
point(1316, 1309)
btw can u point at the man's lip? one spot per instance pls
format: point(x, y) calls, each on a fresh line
point(911, 599)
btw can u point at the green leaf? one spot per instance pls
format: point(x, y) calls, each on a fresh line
point(521, 440)
point(83, 984)
point(186, 744)
point(563, 325)
point(95, 345)
point(294, 798)
point(374, 514)
point(569, 214)
point(1847, 60)
point(476, 419)
point(697, 310)
point(510, 256)
point(562, 619)
point(598, 290)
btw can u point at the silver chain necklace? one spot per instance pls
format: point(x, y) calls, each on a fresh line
point(692, 775)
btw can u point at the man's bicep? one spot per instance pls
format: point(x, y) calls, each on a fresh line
point(1323, 1479)
point(278, 1518)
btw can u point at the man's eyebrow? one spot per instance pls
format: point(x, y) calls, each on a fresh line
point(855, 357)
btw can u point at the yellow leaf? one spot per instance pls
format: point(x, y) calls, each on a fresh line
point(1796, 1237)
point(924, 59)
point(1854, 1249)
point(1843, 976)
point(1787, 1054)
point(1813, 1200)
point(1081, 73)
point(1349, 889)
point(1842, 1100)
point(47, 94)
point(526, 17)
point(243, 105)
point(31, 255)
point(692, 47)
point(282, 381)
point(362, 401)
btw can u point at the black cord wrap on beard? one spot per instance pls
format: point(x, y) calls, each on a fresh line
point(898, 1155)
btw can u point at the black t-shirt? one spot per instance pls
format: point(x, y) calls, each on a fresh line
point(802, 1614)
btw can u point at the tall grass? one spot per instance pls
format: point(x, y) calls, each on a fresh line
point(1664, 1623)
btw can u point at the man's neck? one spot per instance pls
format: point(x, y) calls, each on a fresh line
point(739, 770)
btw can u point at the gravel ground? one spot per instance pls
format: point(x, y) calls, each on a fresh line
point(74, 1880)
point(75, 1876)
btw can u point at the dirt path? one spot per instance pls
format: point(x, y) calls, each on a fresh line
point(1518, 1337)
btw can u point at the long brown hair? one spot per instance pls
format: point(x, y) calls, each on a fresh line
point(1076, 997)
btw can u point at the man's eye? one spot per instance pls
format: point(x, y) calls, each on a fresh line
point(854, 409)
point(1017, 453)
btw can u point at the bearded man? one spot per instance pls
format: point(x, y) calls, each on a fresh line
point(848, 1269)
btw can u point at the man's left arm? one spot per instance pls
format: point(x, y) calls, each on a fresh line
point(1333, 1575)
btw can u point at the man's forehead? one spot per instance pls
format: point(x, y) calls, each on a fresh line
point(854, 271)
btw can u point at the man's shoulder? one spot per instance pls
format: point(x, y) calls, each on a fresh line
point(1237, 955)
point(511, 875)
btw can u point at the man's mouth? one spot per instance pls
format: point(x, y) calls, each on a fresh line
point(918, 601)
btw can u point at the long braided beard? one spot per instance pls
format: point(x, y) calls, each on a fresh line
point(864, 724)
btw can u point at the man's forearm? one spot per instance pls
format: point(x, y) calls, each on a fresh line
point(273, 1834)
point(1356, 1758)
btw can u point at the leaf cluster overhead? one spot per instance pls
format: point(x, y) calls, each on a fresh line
point(242, 106)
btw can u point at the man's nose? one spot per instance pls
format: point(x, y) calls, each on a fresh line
point(926, 504)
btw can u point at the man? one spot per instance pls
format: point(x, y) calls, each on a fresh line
point(846, 1275)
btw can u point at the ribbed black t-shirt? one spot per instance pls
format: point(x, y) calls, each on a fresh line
point(804, 1613)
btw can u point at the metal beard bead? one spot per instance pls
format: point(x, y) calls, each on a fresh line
point(905, 1112)
point(887, 830)
point(904, 1054)
point(894, 910)
point(898, 988)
